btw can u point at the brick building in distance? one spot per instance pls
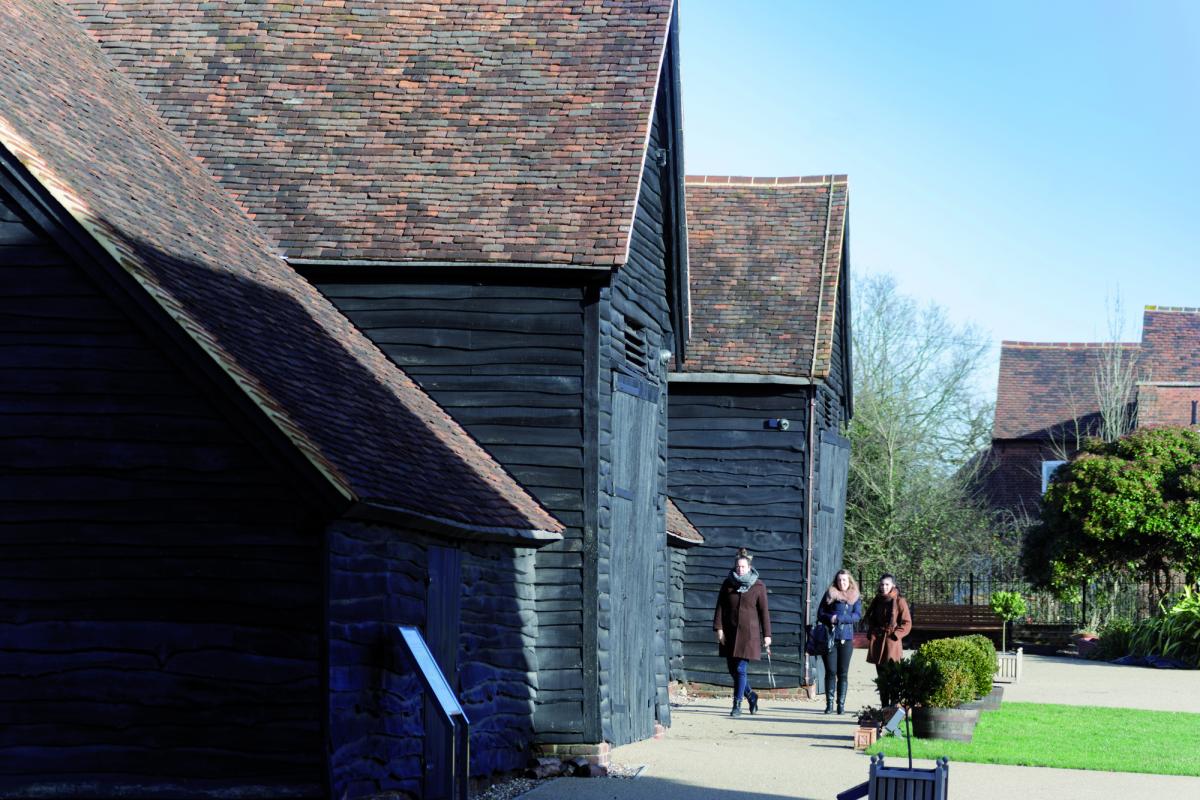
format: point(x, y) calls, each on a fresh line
point(1047, 400)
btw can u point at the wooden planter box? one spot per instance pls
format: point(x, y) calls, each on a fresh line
point(900, 782)
point(1008, 669)
point(865, 736)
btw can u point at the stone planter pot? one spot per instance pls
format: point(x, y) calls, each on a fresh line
point(865, 736)
point(956, 724)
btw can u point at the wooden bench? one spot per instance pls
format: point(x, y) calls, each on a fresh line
point(934, 618)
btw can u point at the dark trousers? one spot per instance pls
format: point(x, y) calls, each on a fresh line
point(884, 700)
point(741, 681)
point(837, 668)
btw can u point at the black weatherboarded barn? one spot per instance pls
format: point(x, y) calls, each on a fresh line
point(756, 457)
point(219, 497)
point(493, 194)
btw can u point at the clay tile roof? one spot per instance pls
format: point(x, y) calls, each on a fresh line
point(409, 131)
point(1170, 343)
point(680, 531)
point(765, 256)
point(88, 138)
point(1043, 386)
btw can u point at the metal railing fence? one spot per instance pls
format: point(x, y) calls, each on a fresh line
point(1099, 601)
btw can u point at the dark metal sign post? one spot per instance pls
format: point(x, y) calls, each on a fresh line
point(439, 689)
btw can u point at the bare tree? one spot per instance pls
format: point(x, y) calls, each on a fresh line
point(920, 422)
point(1115, 378)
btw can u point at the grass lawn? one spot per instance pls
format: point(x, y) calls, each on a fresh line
point(1072, 737)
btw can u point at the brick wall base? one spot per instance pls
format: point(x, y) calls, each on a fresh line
point(595, 753)
point(693, 689)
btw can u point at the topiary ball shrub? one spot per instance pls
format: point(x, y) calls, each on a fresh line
point(950, 682)
point(989, 662)
point(966, 656)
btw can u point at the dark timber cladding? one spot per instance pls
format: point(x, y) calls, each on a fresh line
point(207, 549)
point(507, 361)
point(741, 483)
point(756, 459)
point(518, 246)
point(162, 580)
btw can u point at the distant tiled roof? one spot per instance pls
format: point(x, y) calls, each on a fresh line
point(409, 131)
point(680, 531)
point(1171, 344)
point(90, 140)
point(1044, 386)
point(765, 255)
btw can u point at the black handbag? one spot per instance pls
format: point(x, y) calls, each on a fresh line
point(816, 643)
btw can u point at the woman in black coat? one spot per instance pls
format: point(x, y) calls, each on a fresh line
point(840, 611)
point(740, 620)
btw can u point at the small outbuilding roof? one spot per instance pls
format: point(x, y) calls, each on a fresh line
point(427, 132)
point(86, 137)
point(765, 259)
point(680, 530)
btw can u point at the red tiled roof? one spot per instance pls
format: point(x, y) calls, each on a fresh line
point(90, 140)
point(765, 255)
point(680, 530)
point(1171, 344)
point(1044, 386)
point(409, 131)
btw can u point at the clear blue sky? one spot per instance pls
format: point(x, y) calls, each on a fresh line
point(1015, 162)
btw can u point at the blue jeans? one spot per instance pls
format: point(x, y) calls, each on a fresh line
point(741, 681)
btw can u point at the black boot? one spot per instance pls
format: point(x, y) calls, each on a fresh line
point(753, 698)
point(828, 697)
point(841, 695)
point(737, 711)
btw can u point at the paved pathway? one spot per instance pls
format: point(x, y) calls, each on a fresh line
point(792, 750)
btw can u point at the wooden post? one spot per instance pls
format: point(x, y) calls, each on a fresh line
point(1083, 605)
point(971, 580)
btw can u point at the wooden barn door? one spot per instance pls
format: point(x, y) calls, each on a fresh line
point(831, 509)
point(635, 551)
point(829, 525)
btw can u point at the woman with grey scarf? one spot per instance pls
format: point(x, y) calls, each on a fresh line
point(741, 620)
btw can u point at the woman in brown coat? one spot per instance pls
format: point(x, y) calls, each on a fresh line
point(888, 622)
point(740, 620)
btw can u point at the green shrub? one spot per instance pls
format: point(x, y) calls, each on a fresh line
point(985, 669)
point(1175, 633)
point(950, 683)
point(969, 656)
point(1008, 606)
point(907, 682)
point(1114, 641)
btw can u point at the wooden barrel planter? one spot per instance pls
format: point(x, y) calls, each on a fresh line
point(956, 724)
point(991, 701)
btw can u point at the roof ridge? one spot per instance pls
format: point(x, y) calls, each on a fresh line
point(1175, 309)
point(1063, 345)
point(831, 179)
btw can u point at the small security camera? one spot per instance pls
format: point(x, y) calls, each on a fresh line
point(665, 356)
